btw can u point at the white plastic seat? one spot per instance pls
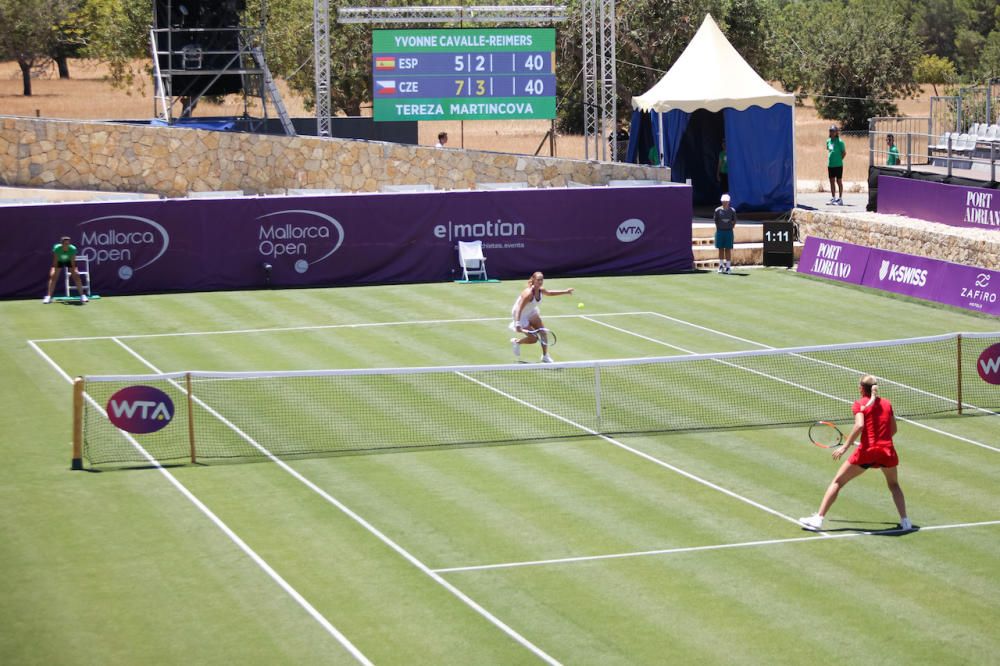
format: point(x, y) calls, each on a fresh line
point(942, 143)
point(83, 270)
point(982, 132)
point(993, 133)
point(960, 144)
point(470, 256)
point(418, 187)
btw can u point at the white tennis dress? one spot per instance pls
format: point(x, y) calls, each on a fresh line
point(529, 309)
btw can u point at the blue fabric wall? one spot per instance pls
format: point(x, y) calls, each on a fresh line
point(759, 149)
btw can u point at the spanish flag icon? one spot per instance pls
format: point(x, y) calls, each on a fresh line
point(385, 62)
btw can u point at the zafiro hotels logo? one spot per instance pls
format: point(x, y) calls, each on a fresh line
point(988, 364)
point(140, 409)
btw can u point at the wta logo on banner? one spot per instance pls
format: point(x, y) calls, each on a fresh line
point(123, 240)
point(140, 409)
point(988, 364)
point(299, 235)
point(631, 230)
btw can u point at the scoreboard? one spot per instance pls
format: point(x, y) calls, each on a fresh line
point(464, 74)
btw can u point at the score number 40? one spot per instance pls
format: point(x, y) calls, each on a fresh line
point(477, 87)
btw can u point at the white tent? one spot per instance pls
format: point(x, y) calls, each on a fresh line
point(712, 95)
point(710, 75)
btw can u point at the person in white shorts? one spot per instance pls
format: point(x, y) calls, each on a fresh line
point(527, 316)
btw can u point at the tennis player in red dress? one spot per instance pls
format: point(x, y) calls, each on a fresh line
point(875, 422)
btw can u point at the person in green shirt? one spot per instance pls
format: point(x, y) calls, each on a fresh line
point(893, 158)
point(836, 152)
point(722, 169)
point(64, 256)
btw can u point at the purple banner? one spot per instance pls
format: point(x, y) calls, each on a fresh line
point(954, 205)
point(831, 259)
point(210, 244)
point(962, 286)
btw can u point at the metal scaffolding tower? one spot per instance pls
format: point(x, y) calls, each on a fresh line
point(192, 60)
point(600, 80)
point(321, 61)
point(522, 14)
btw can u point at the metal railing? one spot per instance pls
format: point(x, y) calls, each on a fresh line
point(970, 154)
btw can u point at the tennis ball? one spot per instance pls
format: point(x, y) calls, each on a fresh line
point(579, 305)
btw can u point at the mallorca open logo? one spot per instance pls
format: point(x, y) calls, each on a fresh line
point(305, 236)
point(128, 241)
point(631, 230)
point(140, 409)
point(988, 364)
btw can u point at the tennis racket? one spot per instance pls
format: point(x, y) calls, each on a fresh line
point(825, 435)
point(544, 335)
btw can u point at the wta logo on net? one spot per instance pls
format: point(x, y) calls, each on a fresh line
point(988, 364)
point(140, 409)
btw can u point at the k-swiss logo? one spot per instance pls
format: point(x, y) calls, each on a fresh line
point(988, 364)
point(631, 230)
point(905, 274)
point(140, 409)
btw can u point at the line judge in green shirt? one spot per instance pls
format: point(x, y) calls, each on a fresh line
point(64, 256)
point(836, 152)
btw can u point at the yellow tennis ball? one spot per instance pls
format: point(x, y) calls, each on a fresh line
point(579, 305)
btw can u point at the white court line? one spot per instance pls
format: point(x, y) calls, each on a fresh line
point(693, 549)
point(218, 522)
point(468, 601)
point(761, 344)
point(318, 327)
point(637, 452)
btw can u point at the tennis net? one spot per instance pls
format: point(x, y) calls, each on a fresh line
point(210, 416)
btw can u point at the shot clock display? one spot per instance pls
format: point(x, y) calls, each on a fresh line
point(779, 239)
point(464, 74)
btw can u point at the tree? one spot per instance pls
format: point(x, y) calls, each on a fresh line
point(28, 35)
point(935, 70)
point(117, 34)
point(855, 58)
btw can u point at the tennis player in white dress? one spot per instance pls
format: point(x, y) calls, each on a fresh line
point(527, 316)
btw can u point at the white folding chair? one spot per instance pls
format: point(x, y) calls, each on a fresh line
point(83, 270)
point(470, 256)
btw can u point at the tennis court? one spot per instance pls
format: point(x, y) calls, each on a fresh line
point(554, 534)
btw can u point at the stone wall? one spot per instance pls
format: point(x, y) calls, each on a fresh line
point(62, 154)
point(971, 247)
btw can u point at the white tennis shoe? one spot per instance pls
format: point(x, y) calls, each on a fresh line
point(905, 524)
point(47, 300)
point(547, 359)
point(813, 522)
point(83, 298)
point(515, 347)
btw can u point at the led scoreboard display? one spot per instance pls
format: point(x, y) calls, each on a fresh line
point(464, 74)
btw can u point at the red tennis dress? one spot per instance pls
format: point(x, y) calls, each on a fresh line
point(876, 449)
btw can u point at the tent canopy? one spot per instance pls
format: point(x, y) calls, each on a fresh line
point(710, 96)
point(710, 74)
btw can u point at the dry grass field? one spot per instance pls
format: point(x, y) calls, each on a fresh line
point(88, 95)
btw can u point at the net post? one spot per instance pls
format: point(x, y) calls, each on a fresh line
point(597, 394)
point(190, 405)
point(77, 462)
point(958, 374)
